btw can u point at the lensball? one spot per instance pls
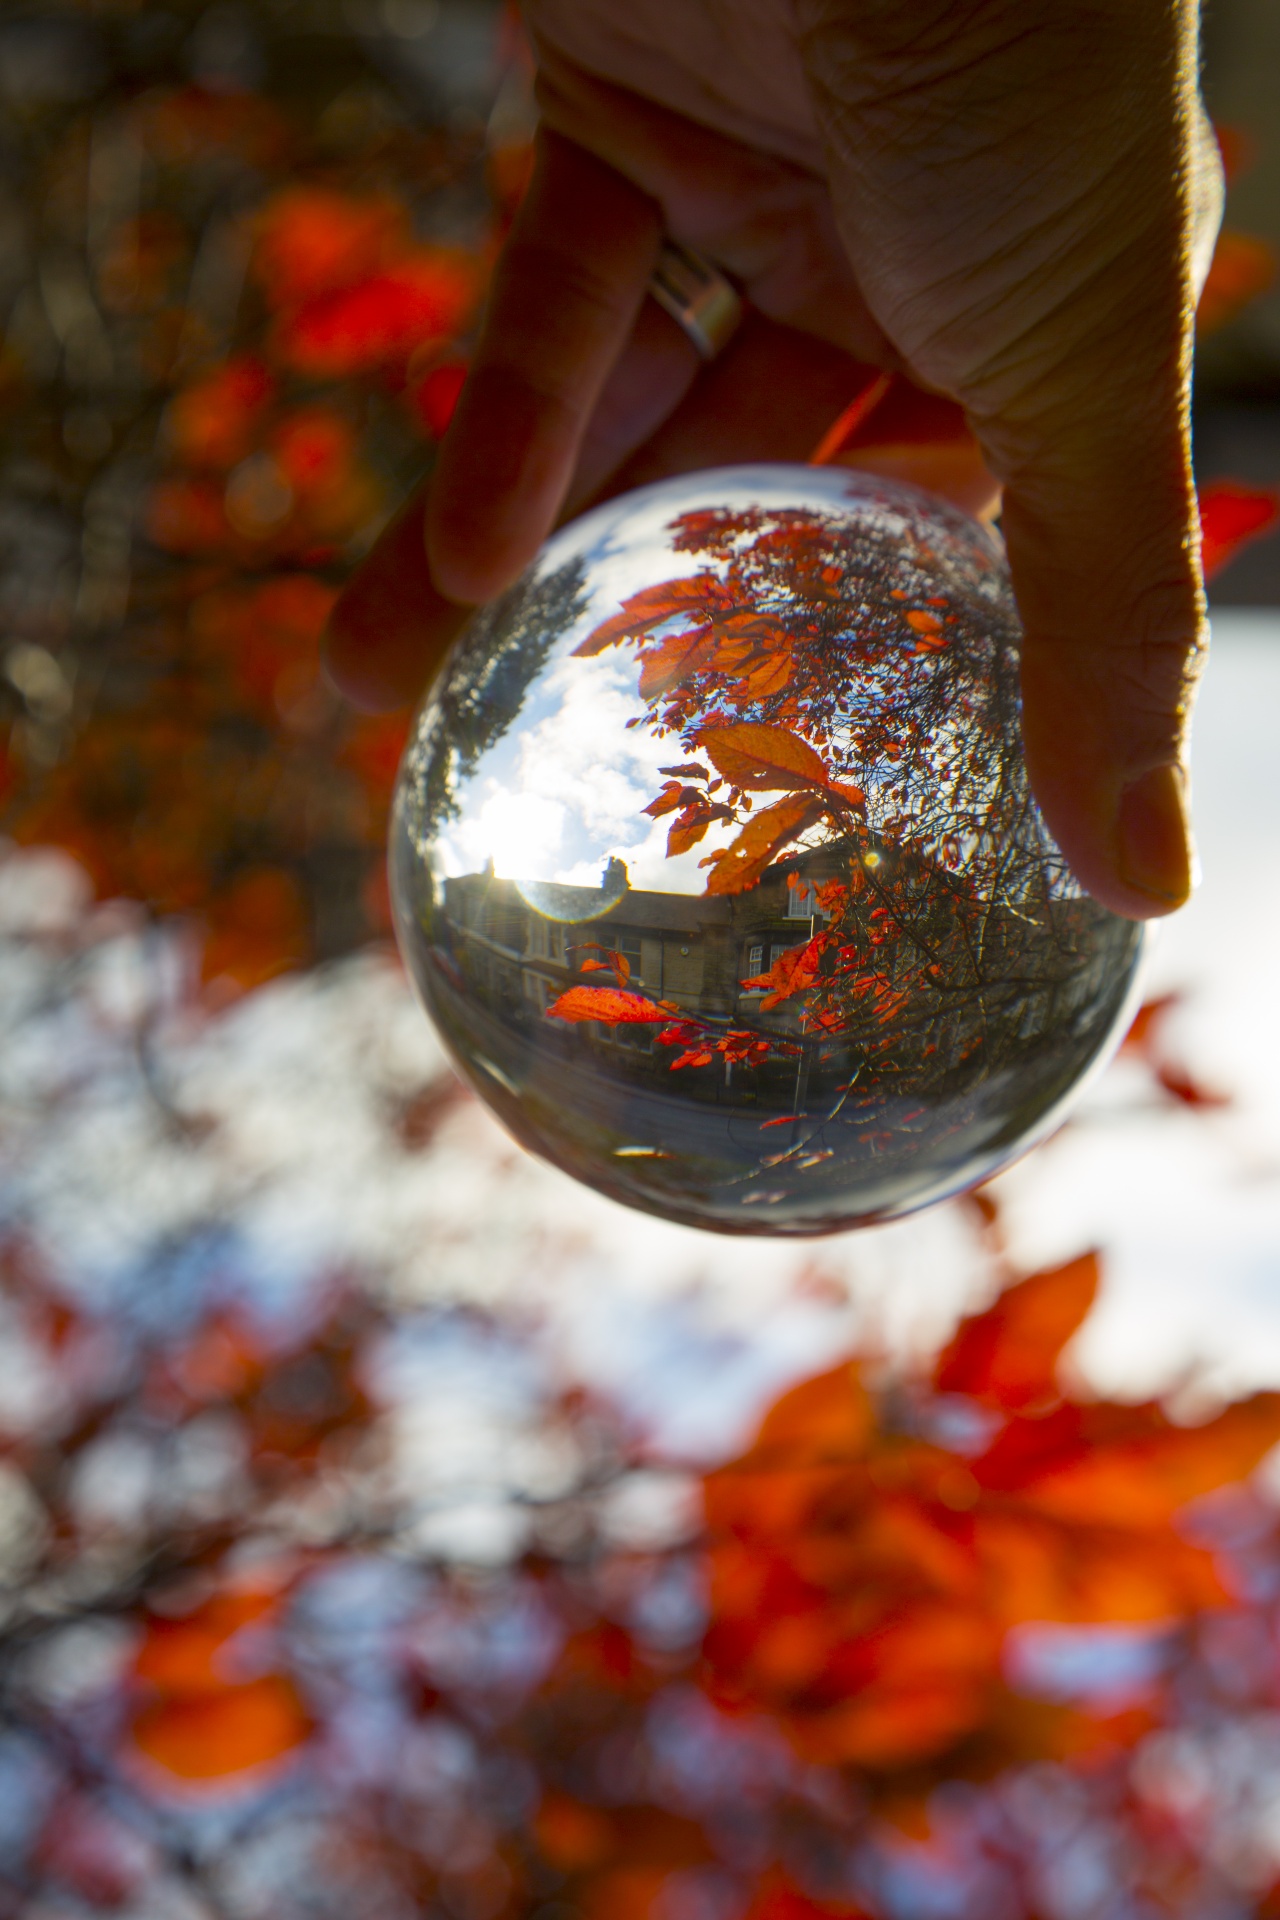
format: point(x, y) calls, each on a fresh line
point(715, 863)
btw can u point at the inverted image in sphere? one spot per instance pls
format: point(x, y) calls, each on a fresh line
point(715, 862)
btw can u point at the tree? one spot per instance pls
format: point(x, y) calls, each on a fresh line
point(853, 697)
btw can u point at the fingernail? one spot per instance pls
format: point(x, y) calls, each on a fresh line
point(1156, 854)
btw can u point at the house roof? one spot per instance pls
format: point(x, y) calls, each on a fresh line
point(670, 912)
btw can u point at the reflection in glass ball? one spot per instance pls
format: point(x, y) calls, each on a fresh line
point(715, 862)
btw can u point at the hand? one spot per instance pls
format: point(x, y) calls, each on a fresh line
point(1011, 203)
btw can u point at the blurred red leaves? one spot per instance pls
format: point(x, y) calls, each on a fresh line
point(256, 928)
point(874, 1564)
point(1243, 267)
point(864, 1577)
point(1146, 1041)
point(871, 1557)
point(198, 1719)
point(1231, 515)
point(298, 345)
point(1243, 264)
point(1008, 1356)
point(352, 291)
point(211, 421)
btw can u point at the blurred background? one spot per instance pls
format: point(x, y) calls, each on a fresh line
point(386, 1526)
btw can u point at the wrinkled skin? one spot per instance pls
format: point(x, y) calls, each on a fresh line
point(1013, 204)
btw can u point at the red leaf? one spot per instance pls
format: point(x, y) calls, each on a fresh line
point(211, 422)
point(1109, 1465)
point(1230, 516)
point(1183, 1087)
point(423, 297)
point(437, 394)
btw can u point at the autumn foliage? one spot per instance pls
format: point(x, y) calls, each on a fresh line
point(869, 1669)
point(863, 1612)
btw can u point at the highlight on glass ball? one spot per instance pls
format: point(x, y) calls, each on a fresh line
point(716, 866)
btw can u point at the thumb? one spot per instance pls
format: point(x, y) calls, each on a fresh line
point(1024, 187)
point(1106, 572)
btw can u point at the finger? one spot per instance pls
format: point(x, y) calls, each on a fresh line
point(564, 301)
point(925, 439)
point(1019, 186)
point(771, 395)
point(391, 627)
point(767, 222)
point(1113, 610)
point(650, 379)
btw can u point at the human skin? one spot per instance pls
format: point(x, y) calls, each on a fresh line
point(1012, 201)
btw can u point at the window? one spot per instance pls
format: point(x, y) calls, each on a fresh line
point(761, 958)
point(802, 899)
point(628, 945)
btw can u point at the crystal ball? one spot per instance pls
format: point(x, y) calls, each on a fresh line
point(715, 863)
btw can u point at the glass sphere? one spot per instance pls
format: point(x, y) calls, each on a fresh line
point(715, 863)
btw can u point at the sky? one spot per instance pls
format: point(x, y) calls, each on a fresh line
point(566, 788)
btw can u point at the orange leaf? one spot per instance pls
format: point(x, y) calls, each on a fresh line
point(1146, 1022)
point(570, 1835)
point(687, 831)
point(211, 422)
point(763, 758)
point(695, 1057)
point(652, 606)
point(208, 1736)
point(828, 1417)
point(312, 240)
point(180, 1656)
point(1243, 267)
point(893, 1727)
point(740, 865)
point(1008, 1354)
point(608, 1005)
point(673, 795)
point(771, 676)
point(257, 929)
point(1126, 1466)
point(794, 971)
point(667, 664)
